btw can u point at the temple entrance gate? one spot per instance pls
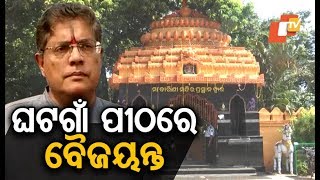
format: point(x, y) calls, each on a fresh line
point(203, 149)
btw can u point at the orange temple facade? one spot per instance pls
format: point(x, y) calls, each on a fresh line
point(186, 60)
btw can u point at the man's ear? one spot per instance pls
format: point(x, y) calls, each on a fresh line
point(40, 62)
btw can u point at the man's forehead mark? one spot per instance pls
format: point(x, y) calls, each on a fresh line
point(73, 40)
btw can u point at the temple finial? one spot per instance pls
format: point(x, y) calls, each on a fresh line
point(184, 3)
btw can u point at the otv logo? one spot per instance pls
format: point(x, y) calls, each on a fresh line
point(288, 25)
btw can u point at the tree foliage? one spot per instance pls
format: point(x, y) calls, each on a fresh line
point(22, 75)
point(288, 69)
point(304, 126)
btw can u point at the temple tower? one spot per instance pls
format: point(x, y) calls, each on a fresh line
point(186, 60)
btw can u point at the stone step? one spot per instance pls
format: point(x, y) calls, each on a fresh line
point(206, 169)
point(196, 166)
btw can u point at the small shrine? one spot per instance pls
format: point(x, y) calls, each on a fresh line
point(186, 60)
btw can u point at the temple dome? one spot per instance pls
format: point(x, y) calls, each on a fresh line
point(185, 26)
point(186, 37)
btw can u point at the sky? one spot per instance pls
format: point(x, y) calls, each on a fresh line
point(266, 9)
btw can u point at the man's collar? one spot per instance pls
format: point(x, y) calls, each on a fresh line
point(47, 97)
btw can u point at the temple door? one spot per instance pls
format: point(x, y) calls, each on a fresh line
point(237, 114)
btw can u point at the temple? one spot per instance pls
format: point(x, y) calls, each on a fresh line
point(186, 60)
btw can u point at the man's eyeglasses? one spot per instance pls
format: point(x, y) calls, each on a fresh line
point(86, 48)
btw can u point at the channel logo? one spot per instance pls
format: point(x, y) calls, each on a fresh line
point(288, 25)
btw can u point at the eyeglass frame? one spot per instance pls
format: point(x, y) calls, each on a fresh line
point(70, 49)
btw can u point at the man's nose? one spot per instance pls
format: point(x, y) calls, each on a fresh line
point(75, 55)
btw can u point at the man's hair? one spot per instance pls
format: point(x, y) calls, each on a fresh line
point(61, 12)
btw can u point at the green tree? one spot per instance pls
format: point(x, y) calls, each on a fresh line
point(22, 76)
point(289, 70)
point(304, 126)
